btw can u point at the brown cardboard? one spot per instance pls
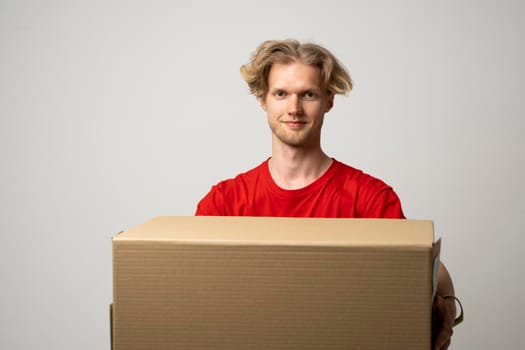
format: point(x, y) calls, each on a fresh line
point(273, 283)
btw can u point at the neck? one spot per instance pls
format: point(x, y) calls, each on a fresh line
point(296, 168)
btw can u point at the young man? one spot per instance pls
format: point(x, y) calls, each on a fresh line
point(295, 84)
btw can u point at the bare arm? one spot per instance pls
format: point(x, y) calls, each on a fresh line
point(443, 310)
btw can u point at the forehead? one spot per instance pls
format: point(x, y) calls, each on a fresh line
point(294, 75)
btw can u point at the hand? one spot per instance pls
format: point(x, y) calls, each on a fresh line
point(443, 316)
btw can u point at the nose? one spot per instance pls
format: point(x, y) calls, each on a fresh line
point(295, 107)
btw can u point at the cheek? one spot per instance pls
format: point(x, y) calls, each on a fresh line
point(275, 108)
point(317, 110)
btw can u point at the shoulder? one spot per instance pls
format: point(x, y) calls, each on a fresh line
point(226, 193)
point(356, 178)
point(371, 196)
point(243, 180)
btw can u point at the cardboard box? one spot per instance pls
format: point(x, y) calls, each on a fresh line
point(273, 283)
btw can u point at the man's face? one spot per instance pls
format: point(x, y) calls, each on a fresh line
point(296, 103)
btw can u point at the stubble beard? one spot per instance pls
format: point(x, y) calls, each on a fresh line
point(303, 138)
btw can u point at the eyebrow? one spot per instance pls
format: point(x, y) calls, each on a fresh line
point(308, 88)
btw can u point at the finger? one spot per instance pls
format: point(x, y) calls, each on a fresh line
point(445, 346)
point(443, 337)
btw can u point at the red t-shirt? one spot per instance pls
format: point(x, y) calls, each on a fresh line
point(341, 192)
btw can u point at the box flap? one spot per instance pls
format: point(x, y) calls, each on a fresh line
point(436, 250)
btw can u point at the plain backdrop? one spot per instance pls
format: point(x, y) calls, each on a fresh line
point(113, 112)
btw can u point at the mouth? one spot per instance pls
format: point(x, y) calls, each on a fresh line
point(295, 123)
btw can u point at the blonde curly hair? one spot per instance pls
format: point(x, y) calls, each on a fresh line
point(334, 75)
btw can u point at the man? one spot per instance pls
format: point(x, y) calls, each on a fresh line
point(295, 84)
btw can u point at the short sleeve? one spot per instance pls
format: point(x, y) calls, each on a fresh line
point(385, 205)
point(212, 204)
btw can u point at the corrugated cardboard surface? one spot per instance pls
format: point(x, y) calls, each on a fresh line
point(273, 283)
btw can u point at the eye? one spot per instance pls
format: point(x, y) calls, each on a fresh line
point(309, 95)
point(279, 93)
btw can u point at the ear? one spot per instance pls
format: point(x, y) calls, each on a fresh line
point(262, 102)
point(330, 103)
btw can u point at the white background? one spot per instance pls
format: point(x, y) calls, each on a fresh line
point(113, 112)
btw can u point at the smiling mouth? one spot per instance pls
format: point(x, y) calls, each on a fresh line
point(295, 123)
